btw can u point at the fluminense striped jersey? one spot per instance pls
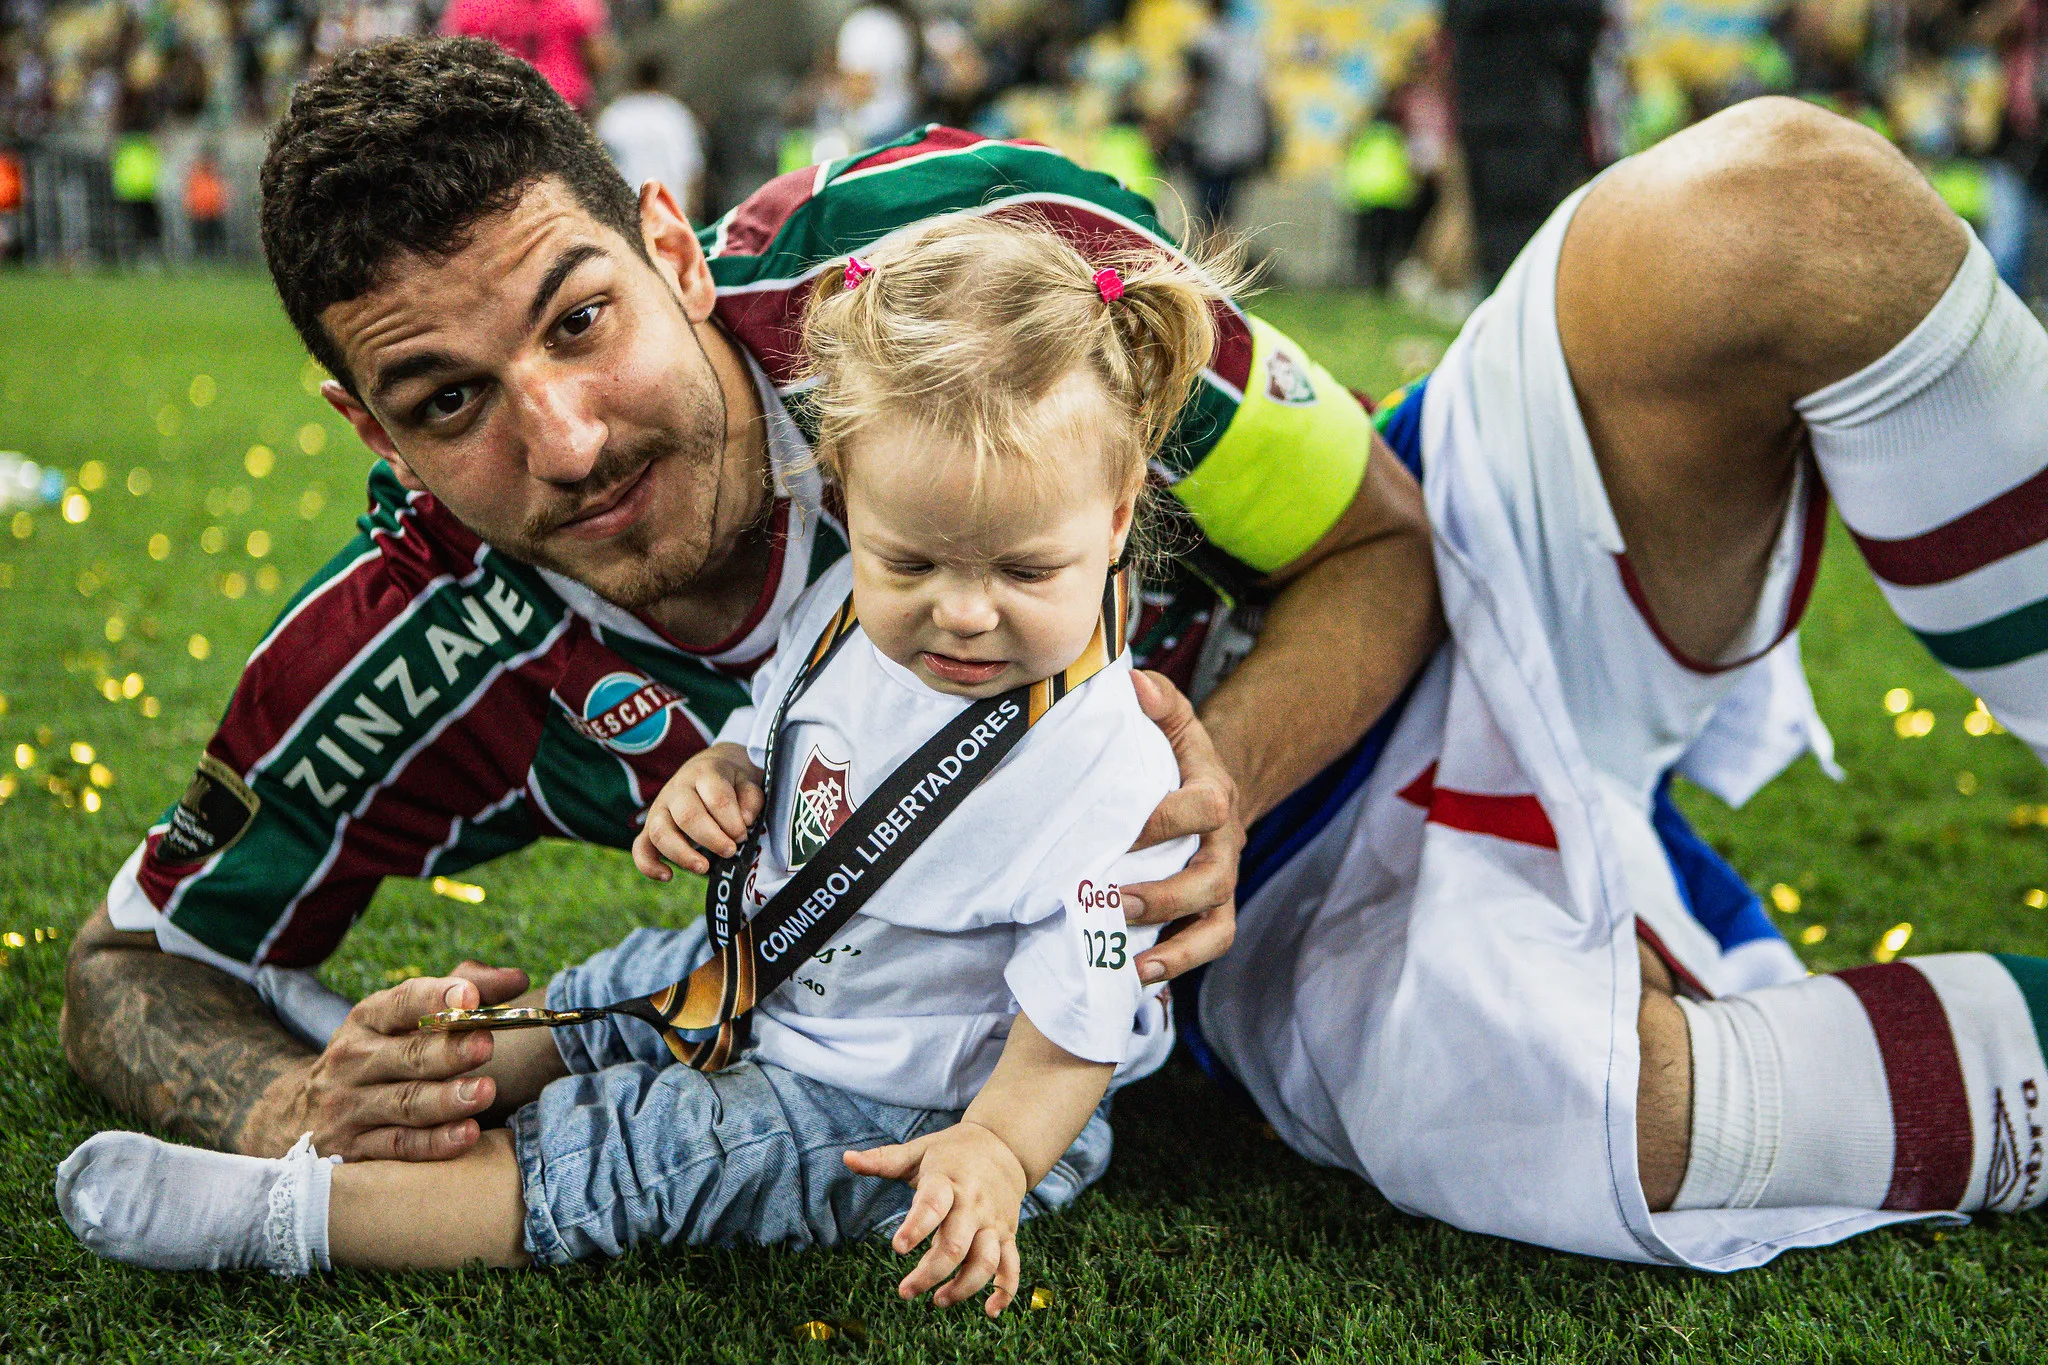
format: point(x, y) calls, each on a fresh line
point(425, 704)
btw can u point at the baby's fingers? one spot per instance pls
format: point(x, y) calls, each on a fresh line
point(667, 838)
point(722, 805)
point(1008, 1276)
point(984, 1259)
point(751, 799)
point(647, 860)
point(934, 1201)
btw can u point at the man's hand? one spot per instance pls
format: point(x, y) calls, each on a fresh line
point(970, 1186)
point(1206, 804)
point(383, 1089)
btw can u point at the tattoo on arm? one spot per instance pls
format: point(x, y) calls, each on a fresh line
point(168, 1039)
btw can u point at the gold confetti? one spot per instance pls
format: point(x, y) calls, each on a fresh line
point(267, 578)
point(198, 647)
point(101, 775)
point(202, 390)
point(168, 421)
point(398, 974)
point(1898, 701)
point(159, 546)
point(1041, 1297)
point(91, 802)
point(116, 627)
point(258, 544)
point(76, 507)
point(13, 939)
point(458, 891)
point(1966, 783)
point(110, 689)
point(2036, 899)
point(312, 438)
point(233, 586)
point(1894, 939)
point(23, 525)
point(2022, 816)
point(39, 936)
point(131, 686)
point(8, 786)
point(81, 752)
point(92, 476)
point(139, 481)
point(310, 503)
point(45, 735)
point(239, 498)
point(152, 708)
point(211, 539)
point(1784, 899)
point(1812, 934)
point(24, 757)
point(813, 1330)
point(259, 461)
point(1915, 724)
point(3, 703)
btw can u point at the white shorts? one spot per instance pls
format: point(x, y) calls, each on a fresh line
point(1440, 990)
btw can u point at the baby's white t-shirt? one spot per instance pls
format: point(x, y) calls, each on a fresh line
point(1010, 903)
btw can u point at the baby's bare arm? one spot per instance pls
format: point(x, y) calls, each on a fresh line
point(971, 1178)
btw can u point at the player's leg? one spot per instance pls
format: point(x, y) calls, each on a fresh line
point(1777, 273)
point(1917, 1085)
point(1663, 1086)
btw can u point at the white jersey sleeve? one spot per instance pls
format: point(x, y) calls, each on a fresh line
point(1073, 970)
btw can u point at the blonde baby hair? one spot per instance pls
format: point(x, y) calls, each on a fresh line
point(969, 322)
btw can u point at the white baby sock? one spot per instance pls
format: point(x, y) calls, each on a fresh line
point(132, 1198)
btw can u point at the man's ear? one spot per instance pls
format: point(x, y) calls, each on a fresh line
point(370, 431)
point(672, 245)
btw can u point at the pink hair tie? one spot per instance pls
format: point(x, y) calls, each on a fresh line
point(1109, 284)
point(857, 270)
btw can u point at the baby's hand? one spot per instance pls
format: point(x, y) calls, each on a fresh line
point(970, 1186)
point(711, 800)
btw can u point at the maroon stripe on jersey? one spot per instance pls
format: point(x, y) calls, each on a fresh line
point(760, 215)
point(448, 532)
point(315, 647)
point(938, 139)
point(157, 881)
point(767, 322)
point(2015, 520)
point(468, 769)
point(1931, 1139)
point(1517, 818)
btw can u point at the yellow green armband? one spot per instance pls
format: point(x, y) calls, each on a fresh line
point(1289, 463)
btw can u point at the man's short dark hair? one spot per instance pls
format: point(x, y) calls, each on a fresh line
point(401, 149)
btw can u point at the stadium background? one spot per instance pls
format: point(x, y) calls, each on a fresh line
point(168, 474)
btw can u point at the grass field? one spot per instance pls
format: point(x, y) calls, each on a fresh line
point(1207, 1241)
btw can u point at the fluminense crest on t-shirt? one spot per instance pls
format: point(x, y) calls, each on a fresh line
point(821, 806)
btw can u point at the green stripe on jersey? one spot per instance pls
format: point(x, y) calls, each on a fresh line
point(2019, 634)
point(2030, 974)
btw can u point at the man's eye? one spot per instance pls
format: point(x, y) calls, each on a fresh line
point(580, 321)
point(447, 402)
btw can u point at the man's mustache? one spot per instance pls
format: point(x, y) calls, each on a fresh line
point(616, 467)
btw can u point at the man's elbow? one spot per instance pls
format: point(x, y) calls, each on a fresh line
point(93, 972)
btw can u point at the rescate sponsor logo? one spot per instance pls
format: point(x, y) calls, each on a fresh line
point(628, 712)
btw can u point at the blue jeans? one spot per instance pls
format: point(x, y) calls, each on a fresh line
point(632, 1146)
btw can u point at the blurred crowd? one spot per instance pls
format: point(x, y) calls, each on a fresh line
point(1409, 145)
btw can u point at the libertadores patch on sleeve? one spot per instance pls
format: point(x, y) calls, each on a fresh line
point(215, 811)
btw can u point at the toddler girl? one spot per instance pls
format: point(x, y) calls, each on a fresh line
point(987, 400)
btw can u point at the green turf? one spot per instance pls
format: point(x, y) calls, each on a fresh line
point(1207, 1240)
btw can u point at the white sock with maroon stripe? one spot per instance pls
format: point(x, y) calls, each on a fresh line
point(1917, 1085)
point(1937, 456)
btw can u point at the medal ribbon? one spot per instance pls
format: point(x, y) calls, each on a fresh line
point(753, 957)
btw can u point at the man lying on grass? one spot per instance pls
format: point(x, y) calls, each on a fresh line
point(1483, 962)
